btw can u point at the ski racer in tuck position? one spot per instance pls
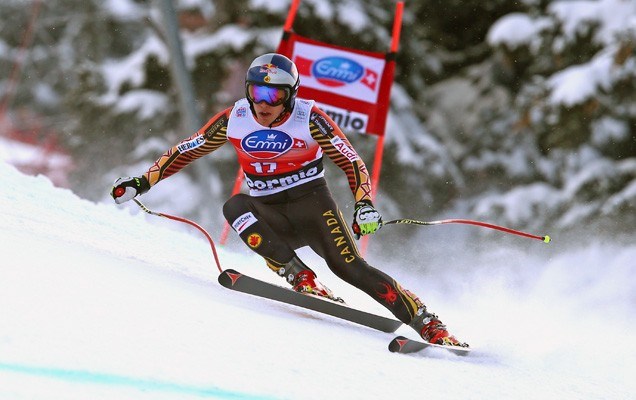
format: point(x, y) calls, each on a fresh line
point(280, 141)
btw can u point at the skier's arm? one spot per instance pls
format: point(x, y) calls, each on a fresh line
point(366, 219)
point(337, 147)
point(209, 138)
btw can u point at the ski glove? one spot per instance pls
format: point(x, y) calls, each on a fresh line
point(126, 188)
point(366, 219)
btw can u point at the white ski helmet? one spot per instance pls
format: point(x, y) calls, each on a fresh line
point(268, 73)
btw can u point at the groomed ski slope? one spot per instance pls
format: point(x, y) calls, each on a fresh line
point(99, 301)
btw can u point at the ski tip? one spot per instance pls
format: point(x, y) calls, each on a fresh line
point(401, 344)
point(229, 277)
point(397, 343)
point(459, 351)
point(547, 239)
point(230, 270)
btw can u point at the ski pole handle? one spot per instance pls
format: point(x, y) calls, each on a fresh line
point(126, 188)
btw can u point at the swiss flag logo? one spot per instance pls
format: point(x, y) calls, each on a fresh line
point(299, 144)
point(370, 79)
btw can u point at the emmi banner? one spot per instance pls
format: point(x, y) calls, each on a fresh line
point(348, 74)
point(352, 86)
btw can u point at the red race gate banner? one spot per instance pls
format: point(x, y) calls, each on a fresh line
point(351, 86)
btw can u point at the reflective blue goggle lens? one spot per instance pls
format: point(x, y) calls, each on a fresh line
point(274, 96)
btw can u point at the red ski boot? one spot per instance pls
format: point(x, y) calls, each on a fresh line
point(303, 280)
point(434, 331)
point(306, 282)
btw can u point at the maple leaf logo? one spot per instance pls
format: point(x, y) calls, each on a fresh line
point(254, 240)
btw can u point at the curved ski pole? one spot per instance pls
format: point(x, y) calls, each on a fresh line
point(187, 221)
point(545, 239)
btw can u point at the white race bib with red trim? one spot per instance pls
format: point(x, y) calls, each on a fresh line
point(278, 158)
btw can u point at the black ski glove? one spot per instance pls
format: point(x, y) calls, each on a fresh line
point(126, 188)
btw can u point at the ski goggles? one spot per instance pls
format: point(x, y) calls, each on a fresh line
point(272, 95)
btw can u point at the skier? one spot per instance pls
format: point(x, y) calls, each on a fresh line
point(280, 140)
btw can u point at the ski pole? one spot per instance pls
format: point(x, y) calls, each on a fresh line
point(408, 221)
point(187, 221)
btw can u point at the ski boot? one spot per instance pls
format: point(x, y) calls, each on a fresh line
point(303, 280)
point(432, 330)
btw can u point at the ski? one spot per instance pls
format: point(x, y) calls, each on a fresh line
point(404, 345)
point(235, 280)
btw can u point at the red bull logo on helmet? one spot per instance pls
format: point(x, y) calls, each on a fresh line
point(269, 69)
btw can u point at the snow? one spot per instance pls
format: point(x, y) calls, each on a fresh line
point(515, 29)
point(232, 36)
point(521, 204)
point(273, 6)
point(147, 103)
point(606, 130)
point(613, 17)
point(34, 159)
point(575, 84)
point(352, 14)
point(347, 12)
point(131, 69)
point(104, 302)
point(124, 10)
point(18, 153)
point(624, 198)
point(4, 50)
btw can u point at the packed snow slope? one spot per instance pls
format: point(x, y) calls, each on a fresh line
point(99, 301)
